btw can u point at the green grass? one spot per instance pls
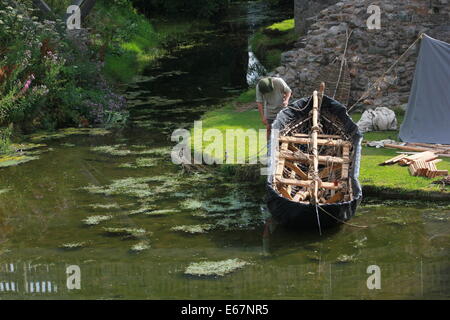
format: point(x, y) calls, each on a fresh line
point(283, 26)
point(226, 118)
point(395, 179)
point(268, 45)
point(137, 49)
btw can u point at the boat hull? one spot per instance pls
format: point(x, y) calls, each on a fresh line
point(302, 215)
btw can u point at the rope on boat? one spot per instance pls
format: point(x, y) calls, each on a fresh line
point(366, 93)
point(318, 219)
point(341, 221)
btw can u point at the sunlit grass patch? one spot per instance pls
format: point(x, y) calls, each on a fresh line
point(283, 26)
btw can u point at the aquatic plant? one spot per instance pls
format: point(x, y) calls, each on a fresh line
point(42, 136)
point(74, 245)
point(161, 212)
point(192, 204)
point(156, 152)
point(140, 246)
point(194, 229)
point(4, 191)
point(104, 206)
point(20, 147)
point(360, 243)
point(95, 220)
point(126, 232)
point(112, 150)
point(15, 160)
point(133, 187)
point(142, 210)
point(345, 258)
point(215, 268)
point(140, 163)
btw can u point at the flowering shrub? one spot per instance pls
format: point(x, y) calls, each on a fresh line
point(46, 81)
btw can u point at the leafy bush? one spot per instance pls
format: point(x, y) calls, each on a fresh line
point(46, 81)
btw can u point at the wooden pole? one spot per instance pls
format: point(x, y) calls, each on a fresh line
point(315, 158)
point(317, 102)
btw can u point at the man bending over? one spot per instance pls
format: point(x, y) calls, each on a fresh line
point(272, 95)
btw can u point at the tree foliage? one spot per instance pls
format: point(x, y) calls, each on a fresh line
point(198, 8)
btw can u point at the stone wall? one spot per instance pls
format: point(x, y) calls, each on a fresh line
point(370, 52)
point(306, 10)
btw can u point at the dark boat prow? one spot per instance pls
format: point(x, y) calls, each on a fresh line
point(291, 184)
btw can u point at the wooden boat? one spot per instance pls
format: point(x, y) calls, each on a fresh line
point(314, 157)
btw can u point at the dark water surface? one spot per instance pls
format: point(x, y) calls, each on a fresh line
point(46, 204)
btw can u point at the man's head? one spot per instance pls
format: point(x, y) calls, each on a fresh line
point(265, 85)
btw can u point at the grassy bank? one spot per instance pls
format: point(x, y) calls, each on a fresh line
point(269, 43)
point(389, 181)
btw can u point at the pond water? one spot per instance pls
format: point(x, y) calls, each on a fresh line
point(129, 223)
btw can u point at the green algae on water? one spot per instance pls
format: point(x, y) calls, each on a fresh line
point(140, 246)
point(10, 161)
point(142, 210)
point(194, 229)
point(156, 152)
point(104, 206)
point(140, 163)
point(132, 187)
point(126, 232)
point(74, 245)
point(20, 147)
point(95, 220)
point(215, 268)
point(68, 132)
point(112, 150)
point(161, 212)
point(345, 258)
